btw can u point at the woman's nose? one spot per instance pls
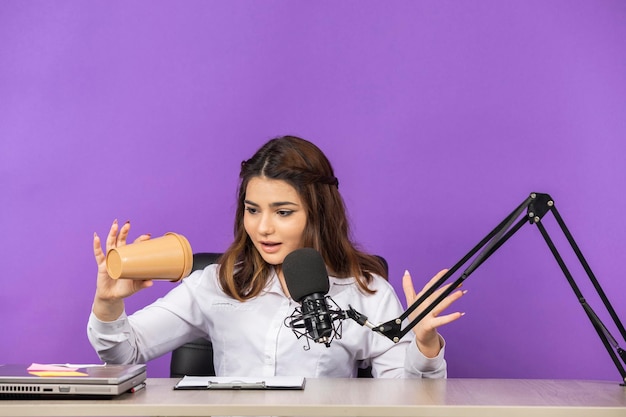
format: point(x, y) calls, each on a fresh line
point(266, 226)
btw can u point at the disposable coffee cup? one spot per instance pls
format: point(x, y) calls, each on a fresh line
point(168, 257)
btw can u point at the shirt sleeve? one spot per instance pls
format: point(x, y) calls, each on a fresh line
point(417, 365)
point(152, 331)
point(111, 339)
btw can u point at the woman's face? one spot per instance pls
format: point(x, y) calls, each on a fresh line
point(274, 218)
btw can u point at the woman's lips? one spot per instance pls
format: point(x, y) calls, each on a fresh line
point(270, 247)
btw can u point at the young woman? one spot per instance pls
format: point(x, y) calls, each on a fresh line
point(288, 199)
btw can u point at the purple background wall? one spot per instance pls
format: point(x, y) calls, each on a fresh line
point(440, 117)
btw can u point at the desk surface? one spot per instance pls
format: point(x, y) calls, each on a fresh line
point(355, 397)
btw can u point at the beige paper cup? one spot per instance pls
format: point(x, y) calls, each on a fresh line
point(168, 257)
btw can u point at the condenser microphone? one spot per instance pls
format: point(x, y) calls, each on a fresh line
point(307, 282)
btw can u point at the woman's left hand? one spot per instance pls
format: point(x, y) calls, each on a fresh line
point(426, 335)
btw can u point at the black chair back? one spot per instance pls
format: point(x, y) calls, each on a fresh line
point(196, 357)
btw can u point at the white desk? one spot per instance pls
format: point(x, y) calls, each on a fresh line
point(355, 397)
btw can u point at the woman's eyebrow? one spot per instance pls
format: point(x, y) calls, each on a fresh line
point(273, 205)
point(282, 203)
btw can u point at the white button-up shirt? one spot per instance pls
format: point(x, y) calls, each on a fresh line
point(251, 339)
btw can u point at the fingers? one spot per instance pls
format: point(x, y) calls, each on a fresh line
point(112, 236)
point(439, 321)
point(409, 290)
point(114, 239)
point(121, 238)
point(97, 249)
point(448, 301)
point(117, 235)
point(145, 236)
point(433, 281)
point(407, 286)
point(411, 296)
point(140, 285)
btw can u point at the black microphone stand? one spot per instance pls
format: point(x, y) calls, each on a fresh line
point(536, 206)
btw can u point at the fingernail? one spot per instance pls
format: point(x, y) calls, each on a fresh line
point(406, 272)
point(464, 291)
point(115, 221)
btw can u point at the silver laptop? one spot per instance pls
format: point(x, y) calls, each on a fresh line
point(17, 382)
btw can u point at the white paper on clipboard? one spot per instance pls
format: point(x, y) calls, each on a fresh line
point(216, 382)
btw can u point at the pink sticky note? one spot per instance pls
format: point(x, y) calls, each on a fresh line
point(50, 368)
point(57, 373)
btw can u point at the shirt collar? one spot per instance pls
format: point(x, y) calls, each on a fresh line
point(337, 285)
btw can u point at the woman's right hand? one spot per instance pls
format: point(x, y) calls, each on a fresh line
point(110, 293)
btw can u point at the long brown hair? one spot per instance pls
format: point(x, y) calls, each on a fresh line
point(243, 272)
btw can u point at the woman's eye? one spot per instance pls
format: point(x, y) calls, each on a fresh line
point(251, 210)
point(284, 213)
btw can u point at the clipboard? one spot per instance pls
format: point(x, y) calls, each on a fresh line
point(240, 383)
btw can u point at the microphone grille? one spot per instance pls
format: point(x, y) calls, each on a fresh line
point(305, 273)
